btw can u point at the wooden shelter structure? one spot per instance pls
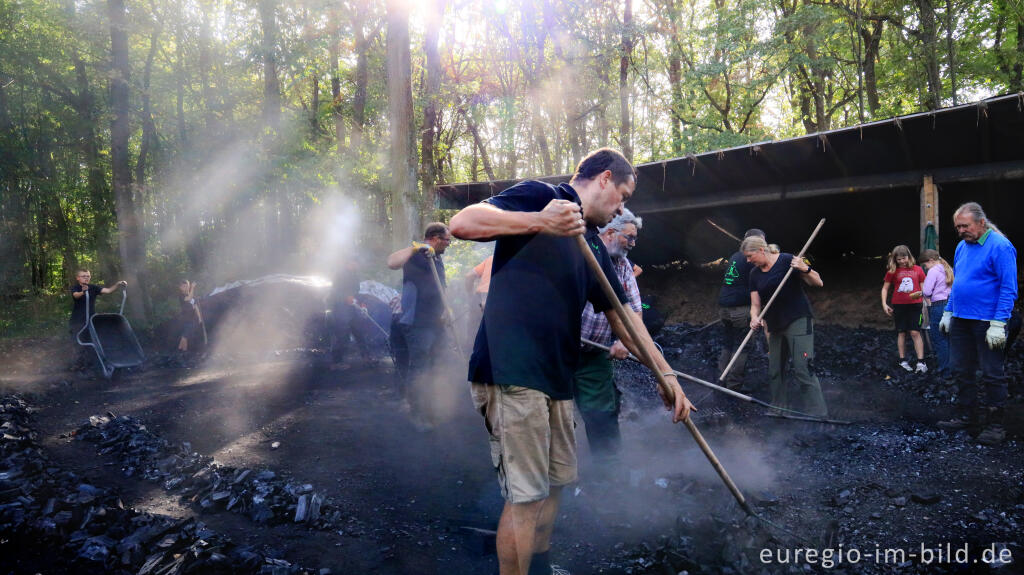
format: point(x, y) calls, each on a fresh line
point(879, 184)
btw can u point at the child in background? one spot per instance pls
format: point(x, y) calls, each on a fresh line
point(936, 287)
point(906, 303)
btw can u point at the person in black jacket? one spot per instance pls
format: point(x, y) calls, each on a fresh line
point(422, 323)
point(734, 311)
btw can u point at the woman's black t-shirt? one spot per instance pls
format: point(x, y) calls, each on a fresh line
point(791, 303)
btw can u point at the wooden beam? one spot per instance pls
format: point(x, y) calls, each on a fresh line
point(929, 208)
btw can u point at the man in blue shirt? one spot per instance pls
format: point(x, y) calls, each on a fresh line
point(979, 305)
point(422, 321)
point(527, 347)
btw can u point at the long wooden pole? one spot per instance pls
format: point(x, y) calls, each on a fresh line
point(606, 287)
point(721, 229)
point(444, 301)
point(764, 310)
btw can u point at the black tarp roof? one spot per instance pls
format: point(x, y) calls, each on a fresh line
point(788, 184)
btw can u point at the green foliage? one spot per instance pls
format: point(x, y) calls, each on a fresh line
point(230, 188)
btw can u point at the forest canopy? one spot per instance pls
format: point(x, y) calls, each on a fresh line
point(219, 139)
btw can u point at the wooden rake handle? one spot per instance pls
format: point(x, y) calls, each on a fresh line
point(444, 301)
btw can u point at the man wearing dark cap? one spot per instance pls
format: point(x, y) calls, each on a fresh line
point(734, 311)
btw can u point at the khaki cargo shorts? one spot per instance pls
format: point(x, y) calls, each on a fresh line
point(532, 438)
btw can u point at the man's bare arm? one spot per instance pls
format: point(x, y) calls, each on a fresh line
point(113, 288)
point(397, 259)
point(484, 222)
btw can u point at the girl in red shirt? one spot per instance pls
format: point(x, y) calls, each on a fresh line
point(906, 309)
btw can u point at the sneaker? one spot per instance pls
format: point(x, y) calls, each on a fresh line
point(992, 435)
point(959, 422)
point(921, 367)
point(906, 365)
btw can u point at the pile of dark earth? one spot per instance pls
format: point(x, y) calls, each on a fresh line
point(53, 521)
point(889, 492)
point(863, 497)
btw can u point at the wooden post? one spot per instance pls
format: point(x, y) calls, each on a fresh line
point(929, 209)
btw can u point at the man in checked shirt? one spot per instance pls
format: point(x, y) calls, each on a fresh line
point(595, 392)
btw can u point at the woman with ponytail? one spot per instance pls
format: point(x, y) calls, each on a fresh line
point(936, 286)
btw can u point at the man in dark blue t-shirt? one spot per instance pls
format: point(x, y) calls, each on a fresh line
point(734, 311)
point(422, 324)
point(527, 346)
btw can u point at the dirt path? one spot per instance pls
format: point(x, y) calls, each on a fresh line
point(403, 494)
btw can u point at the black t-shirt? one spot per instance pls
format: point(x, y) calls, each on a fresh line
point(736, 282)
point(791, 303)
point(78, 312)
point(421, 300)
point(530, 334)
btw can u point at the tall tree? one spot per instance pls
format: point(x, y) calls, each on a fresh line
point(132, 242)
point(625, 127)
point(268, 53)
point(432, 89)
point(333, 49)
point(404, 213)
point(929, 37)
point(362, 48)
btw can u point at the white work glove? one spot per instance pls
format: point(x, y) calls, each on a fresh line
point(995, 337)
point(947, 316)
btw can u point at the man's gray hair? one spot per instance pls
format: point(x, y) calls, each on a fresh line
point(972, 209)
point(977, 214)
point(621, 220)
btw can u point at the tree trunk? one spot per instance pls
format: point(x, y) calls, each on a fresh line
point(478, 142)
point(274, 207)
point(474, 172)
point(13, 222)
point(333, 42)
point(432, 85)
point(131, 241)
point(533, 64)
point(148, 125)
point(314, 107)
point(53, 220)
point(626, 128)
point(951, 49)
point(872, 41)
point(362, 79)
point(929, 39)
point(404, 215)
point(179, 52)
point(96, 179)
point(209, 117)
point(1016, 83)
point(268, 44)
point(602, 127)
point(675, 79)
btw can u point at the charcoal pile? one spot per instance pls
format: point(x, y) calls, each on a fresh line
point(859, 354)
point(198, 480)
point(54, 521)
